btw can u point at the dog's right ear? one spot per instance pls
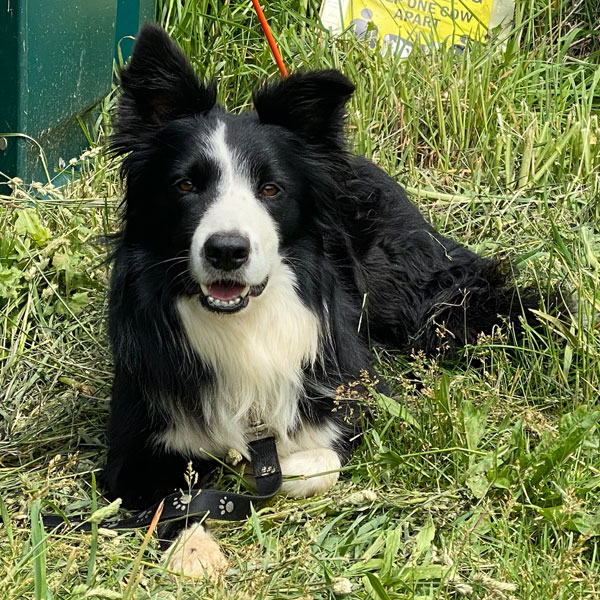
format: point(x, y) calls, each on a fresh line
point(159, 85)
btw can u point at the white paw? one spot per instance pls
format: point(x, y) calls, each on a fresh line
point(307, 464)
point(195, 553)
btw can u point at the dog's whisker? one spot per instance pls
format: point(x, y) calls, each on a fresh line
point(174, 260)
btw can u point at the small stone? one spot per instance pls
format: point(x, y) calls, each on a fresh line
point(494, 585)
point(464, 589)
point(106, 511)
point(341, 586)
point(47, 292)
point(233, 457)
point(360, 497)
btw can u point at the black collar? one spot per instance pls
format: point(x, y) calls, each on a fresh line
point(199, 504)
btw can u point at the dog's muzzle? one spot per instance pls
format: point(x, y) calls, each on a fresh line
point(229, 296)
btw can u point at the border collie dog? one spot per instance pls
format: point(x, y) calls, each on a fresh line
point(258, 261)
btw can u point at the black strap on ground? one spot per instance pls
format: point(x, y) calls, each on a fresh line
point(202, 503)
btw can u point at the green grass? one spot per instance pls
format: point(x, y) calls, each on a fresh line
point(484, 478)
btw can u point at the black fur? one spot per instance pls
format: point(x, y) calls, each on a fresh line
point(346, 228)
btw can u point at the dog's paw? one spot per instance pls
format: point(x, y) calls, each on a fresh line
point(195, 553)
point(307, 464)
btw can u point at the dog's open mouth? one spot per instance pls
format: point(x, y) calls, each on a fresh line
point(229, 296)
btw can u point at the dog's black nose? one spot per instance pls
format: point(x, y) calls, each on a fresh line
point(227, 251)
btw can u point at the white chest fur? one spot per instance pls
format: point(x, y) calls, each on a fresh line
point(257, 356)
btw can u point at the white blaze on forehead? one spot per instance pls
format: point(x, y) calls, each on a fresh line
point(235, 208)
point(230, 165)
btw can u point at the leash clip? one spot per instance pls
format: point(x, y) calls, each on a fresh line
point(258, 429)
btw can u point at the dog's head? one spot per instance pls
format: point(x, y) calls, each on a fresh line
point(218, 194)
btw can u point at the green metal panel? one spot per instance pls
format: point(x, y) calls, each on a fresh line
point(56, 62)
point(131, 15)
point(8, 85)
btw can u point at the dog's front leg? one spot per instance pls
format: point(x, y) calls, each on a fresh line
point(195, 553)
point(314, 471)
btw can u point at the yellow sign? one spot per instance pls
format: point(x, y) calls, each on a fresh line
point(400, 24)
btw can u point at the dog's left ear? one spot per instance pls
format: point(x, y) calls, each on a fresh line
point(309, 104)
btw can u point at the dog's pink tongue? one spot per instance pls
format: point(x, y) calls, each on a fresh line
point(225, 291)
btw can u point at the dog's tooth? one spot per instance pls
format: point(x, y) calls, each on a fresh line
point(204, 289)
point(216, 303)
point(245, 291)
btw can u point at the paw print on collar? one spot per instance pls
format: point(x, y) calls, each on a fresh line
point(143, 515)
point(182, 502)
point(267, 470)
point(225, 506)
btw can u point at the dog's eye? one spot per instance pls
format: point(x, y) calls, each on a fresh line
point(185, 185)
point(269, 190)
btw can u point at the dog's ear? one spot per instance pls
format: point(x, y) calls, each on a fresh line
point(158, 85)
point(310, 104)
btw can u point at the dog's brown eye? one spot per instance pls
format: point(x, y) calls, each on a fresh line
point(185, 185)
point(269, 190)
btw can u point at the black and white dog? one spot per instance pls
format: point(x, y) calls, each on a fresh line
point(257, 262)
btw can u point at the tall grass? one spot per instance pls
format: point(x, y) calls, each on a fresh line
point(483, 477)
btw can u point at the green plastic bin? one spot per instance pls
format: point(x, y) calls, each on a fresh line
point(56, 63)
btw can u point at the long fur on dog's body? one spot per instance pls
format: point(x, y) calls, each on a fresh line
point(336, 258)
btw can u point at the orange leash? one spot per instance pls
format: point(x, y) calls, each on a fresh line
point(270, 39)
